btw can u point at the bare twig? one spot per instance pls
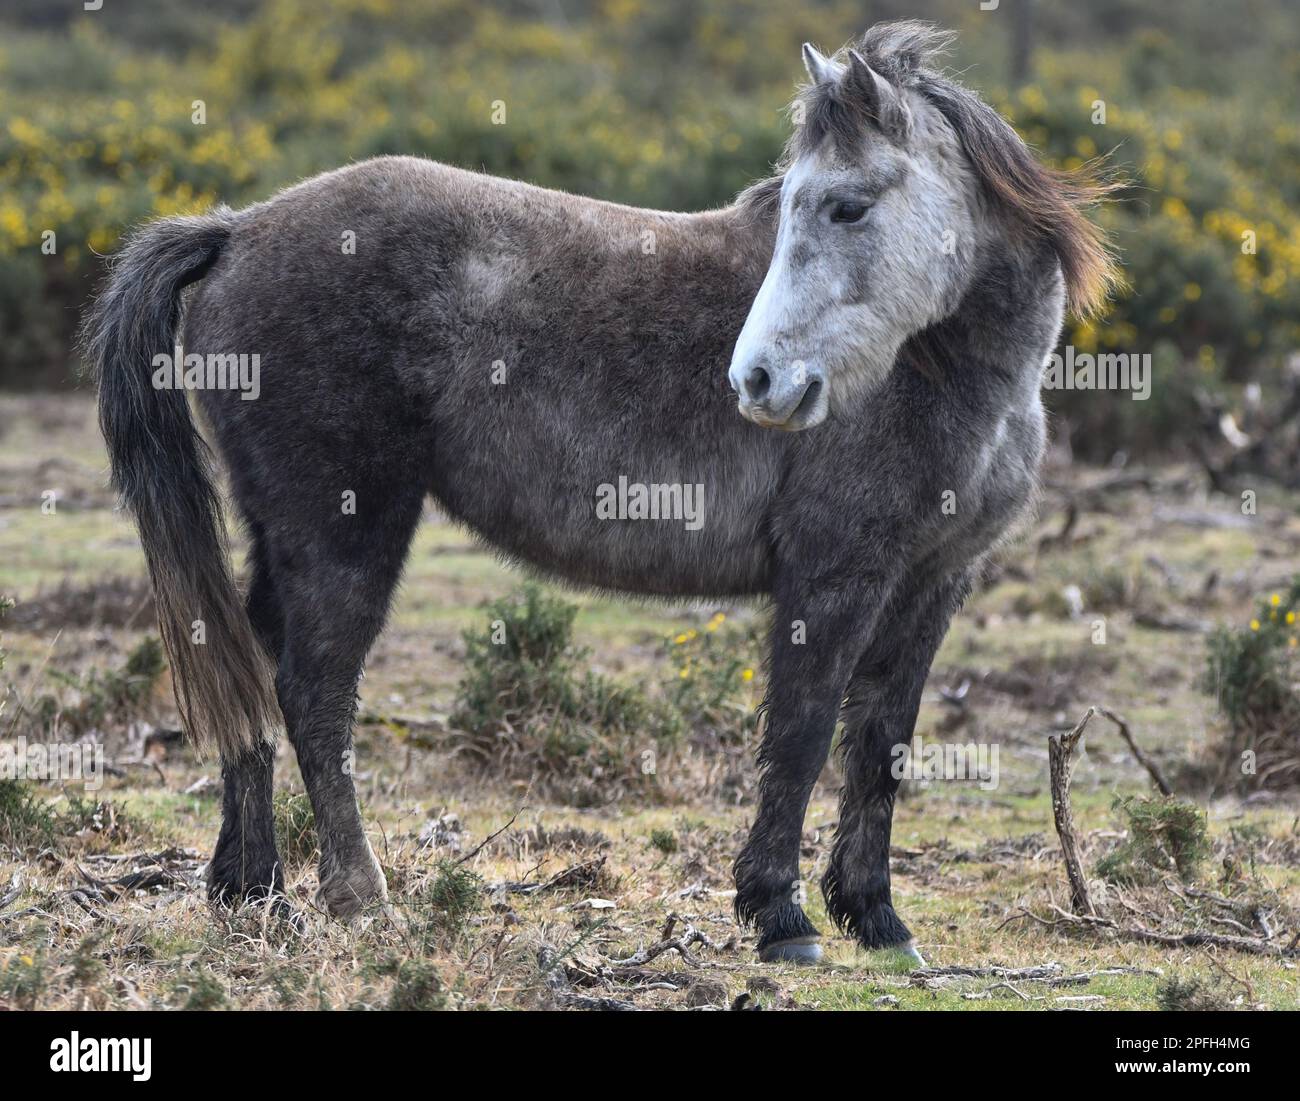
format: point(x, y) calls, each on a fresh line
point(1152, 769)
point(1060, 749)
point(668, 943)
point(1254, 946)
point(491, 837)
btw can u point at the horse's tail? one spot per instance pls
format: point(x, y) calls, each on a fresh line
point(221, 674)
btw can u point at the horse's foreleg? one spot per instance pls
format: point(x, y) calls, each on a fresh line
point(816, 637)
point(884, 697)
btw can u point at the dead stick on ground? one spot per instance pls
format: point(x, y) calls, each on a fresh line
point(1139, 934)
point(1060, 752)
point(680, 945)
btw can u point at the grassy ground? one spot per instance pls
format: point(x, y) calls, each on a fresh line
point(555, 897)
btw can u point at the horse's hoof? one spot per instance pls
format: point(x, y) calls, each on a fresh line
point(805, 950)
point(346, 891)
point(897, 957)
point(909, 949)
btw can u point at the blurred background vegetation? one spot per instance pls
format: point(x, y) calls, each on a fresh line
point(663, 103)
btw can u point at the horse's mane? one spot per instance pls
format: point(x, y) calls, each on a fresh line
point(1049, 204)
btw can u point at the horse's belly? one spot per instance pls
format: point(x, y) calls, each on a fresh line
point(639, 532)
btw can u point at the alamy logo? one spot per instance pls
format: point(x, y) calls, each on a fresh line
point(656, 501)
point(80, 761)
point(86, 1053)
point(951, 761)
point(1104, 371)
point(181, 370)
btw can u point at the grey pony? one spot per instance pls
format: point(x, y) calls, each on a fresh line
point(847, 359)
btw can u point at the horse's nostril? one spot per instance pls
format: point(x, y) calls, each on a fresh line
point(757, 383)
point(809, 398)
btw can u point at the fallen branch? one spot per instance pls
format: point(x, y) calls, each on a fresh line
point(1139, 934)
point(1203, 940)
point(1010, 974)
point(585, 874)
point(582, 1001)
point(552, 965)
point(1052, 974)
point(681, 945)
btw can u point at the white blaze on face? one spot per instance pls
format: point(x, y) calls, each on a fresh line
point(775, 368)
point(780, 308)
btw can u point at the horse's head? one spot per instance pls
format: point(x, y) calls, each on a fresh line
point(895, 182)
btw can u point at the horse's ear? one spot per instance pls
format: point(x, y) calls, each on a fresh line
point(883, 100)
point(820, 69)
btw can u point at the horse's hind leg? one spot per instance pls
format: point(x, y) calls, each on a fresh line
point(335, 574)
point(884, 697)
point(245, 864)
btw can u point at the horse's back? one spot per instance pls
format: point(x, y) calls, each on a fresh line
point(518, 351)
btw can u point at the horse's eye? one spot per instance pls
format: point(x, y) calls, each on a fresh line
point(848, 212)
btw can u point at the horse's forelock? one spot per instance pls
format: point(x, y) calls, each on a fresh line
point(898, 51)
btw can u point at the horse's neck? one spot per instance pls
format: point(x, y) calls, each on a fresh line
point(1006, 325)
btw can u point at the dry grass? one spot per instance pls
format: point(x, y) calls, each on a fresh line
point(509, 928)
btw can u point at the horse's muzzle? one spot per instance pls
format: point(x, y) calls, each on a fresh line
point(792, 398)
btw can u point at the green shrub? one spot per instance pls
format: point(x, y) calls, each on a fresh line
point(1251, 669)
point(1165, 835)
point(711, 676)
point(445, 907)
point(525, 705)
point(26, 821)
point(1252, 672)
point(664, 840)
point(416, 987)
point(24, 978)
point(1191, 995)
point(200, 990)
